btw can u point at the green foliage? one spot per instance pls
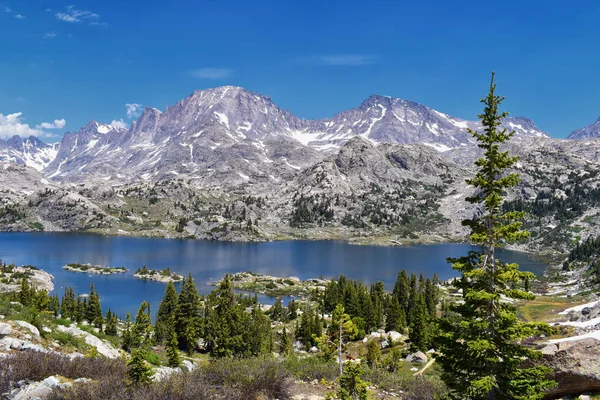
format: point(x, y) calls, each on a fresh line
point(373, 353)
point(351, 384)
point(188, 322)
point(173, 358)
point(166, 313)
point(141, 331)
point(93, 312)
point(138, 373)
point(285, 344)
point(479, 346)
point(111, 324)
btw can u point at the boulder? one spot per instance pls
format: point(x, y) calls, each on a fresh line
point(34, 331)
point(419, 357)
point(103, 348)
point(37, 390)
point(575, 365)
point(394, 336)
point(188, 365)
point(5, 329)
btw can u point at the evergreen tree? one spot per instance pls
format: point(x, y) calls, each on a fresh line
point(110, 324)
point(402, 290)
point(141, 331)
point(139, 373)
point(127, 342)
point(173, 358)
point(285, 344)
point(373, 353)
point(166, 313)
point(292, 310)
point(94, 310)
point(420, 329)
point(188, 321)
point(68, 307)
point(258, 333)
point(25, 293)
point(80, 309)
point(276, 312)
point(479, 347)
point(396, 319)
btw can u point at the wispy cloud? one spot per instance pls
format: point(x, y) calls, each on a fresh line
point(73, 15)
point(212, 73)
point(347, 60)
point(13, 124)
point(7, 9)
point(119, 123)
point(133, 110)
point(49, 35)
point(20, 16)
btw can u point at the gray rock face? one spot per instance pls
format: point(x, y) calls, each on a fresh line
point(29, 151)
point(588, 132)
point(576, 367)
point(230, 136)
point(34, 331)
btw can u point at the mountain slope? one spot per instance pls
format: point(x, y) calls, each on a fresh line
point(587, 132)
point(29, 151)
point(229, 136)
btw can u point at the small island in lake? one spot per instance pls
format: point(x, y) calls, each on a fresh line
point(94, 269)
point(164, 276)
point(274, 286)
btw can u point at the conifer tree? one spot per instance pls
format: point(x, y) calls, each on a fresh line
point(68, 307)
point(141, 331)
point(25, 293)
point(139, 373)
point(93, 309)
point(127, 342)
point(420, 330)
point(110, 324)
point(173, 358)
point(285, 344)
point(188, 321)
point(479, 347)
point(166, 313)
point(373, 353)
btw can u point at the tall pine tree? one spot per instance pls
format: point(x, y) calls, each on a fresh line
point(479, 347)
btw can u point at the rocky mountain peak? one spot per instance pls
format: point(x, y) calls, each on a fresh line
point(587, 132)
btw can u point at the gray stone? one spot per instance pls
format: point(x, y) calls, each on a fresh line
point(5, 329)
point(34, 331)
point(418, 356)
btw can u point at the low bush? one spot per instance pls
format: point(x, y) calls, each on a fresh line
point(311, 368)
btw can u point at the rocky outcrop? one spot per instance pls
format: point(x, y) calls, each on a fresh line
point(32, 329)
point(37, 278)
point(103, 348)
point(419, 357)
point(575, 365)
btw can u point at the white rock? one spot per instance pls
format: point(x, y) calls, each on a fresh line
point(394, 336)
point(162, 373)
point(419, 356)
point(188, 365)
point(5, 329)
point(34, 331)
point(103, 348)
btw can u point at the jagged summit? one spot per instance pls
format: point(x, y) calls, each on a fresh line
point(588, 132)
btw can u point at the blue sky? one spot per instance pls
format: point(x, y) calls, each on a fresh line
point(64, 63)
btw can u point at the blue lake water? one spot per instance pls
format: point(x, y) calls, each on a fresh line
point(208, 261)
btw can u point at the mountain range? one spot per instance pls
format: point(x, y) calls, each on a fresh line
point(228, 129)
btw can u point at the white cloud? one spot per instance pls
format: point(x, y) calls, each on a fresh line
point(20, 16)
point(49, 35)
point(342, 59)
point(7, 9)
point(12, 124)
point(72, 14)
point(57, 124)
point(119, 123)
point(212, 73)
point(133, 110)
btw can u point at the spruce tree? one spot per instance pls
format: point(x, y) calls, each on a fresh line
point(166, 313)
point(188, 322)
point(141, 331)
point(173, 358)
point(110, 324)
point(94, 310)
point(127, 341)
point(479, 347)
point(68, 307)
point(285, 344)
point(139, 373)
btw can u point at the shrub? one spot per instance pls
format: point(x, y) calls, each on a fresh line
point(311, 368)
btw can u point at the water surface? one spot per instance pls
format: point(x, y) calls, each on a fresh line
point(208, 261)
